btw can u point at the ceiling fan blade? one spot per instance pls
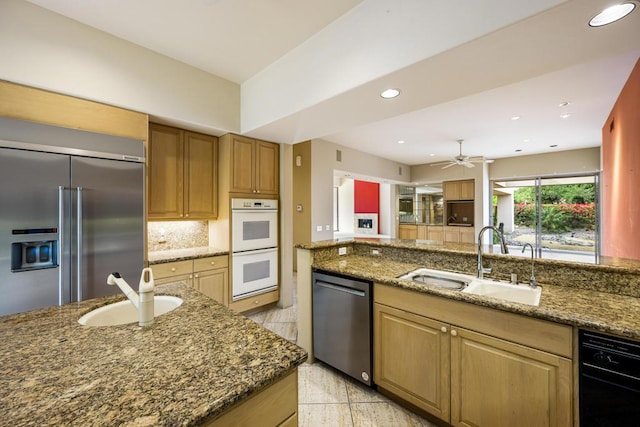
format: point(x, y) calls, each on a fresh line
point(468, 164)
point(440, 163)
point(449, 165)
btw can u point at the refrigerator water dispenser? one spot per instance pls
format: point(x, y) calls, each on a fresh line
point(27, 256)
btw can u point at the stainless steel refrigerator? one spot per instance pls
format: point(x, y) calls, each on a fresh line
point(70, 214)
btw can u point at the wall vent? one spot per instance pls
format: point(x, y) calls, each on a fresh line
point(400, 171)
point(338, 156)
point(611, 126)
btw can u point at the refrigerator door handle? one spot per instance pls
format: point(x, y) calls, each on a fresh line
point(60, 244)
point(79, 242)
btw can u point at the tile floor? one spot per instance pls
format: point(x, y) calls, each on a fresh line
point(327, 397)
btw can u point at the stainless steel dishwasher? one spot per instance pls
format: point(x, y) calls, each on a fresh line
point(342, 331)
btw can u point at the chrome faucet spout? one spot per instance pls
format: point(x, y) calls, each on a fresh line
point(503, 248)
point(532, 280)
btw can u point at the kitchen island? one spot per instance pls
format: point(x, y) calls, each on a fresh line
point(191, 366)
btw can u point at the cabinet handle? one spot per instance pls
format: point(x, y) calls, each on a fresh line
point(191, 276)
point(213, 263)
point(181, 215)
point(257, 302)
point(454, 333)
point(196, 276)
point(186, 214)
point(173, 269)
point(444, 329)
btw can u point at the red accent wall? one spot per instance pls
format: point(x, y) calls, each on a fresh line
point(621, 173)
point(366, 197)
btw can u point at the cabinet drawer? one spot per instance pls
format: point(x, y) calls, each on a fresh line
point(172, 269)
point(256, 301)
point(210, 263)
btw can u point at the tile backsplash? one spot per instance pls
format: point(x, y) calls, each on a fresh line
point(169, 235)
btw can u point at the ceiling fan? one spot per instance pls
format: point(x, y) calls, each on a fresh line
point(460, 160)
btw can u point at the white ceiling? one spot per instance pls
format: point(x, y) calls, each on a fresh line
point(470, 81)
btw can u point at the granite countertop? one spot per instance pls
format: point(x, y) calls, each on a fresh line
point(190, 365)
point(600, 311)
point(159, 257)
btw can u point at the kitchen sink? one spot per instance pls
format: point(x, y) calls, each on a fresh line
point(123, 312)
point(522, 294)
point(440, 279)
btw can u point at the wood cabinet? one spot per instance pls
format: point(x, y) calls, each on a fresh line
point(459, 190)
point(253, 164)
point(407, 231)
point(209, 275)
point(459, 234)
point(499, 383)
point(412, 358)
point(504, 370)
point(435, 232)
point(422, 232)
point(183, 174)
point(169, 272)
point(274, 406)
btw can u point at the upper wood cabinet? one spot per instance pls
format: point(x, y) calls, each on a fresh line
point(254, 165)
point(459, 190)
point(183, 174)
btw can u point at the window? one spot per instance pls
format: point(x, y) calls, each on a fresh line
point(558, 215)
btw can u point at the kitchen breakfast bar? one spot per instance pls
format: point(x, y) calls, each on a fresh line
point(193, 366)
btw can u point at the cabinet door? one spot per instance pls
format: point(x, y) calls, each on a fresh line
point(422, 232)
point(165, 170)
point(411, 357)
point(467, 190)
point(213, 283)
point(451, 190)
point(407, 232)
point(267, 172)
point(452, 234)
point(242, 164)
point(498, 383)
point(200, 176)
point(467, 235)
point(436, 233)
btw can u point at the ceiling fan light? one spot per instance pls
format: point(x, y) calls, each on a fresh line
point(612, 14)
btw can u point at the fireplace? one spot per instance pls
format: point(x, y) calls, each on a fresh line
point(366, 223)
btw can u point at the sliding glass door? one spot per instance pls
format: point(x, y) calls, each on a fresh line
point(557, 215)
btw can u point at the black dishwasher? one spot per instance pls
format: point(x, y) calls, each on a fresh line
point(609, 381)
point(342, 332)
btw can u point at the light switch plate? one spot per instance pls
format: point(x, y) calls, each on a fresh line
point(342, 250)
point(318, 228)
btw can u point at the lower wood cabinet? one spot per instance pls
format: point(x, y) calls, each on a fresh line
point(274, 406)
point(466, 377)
point(209, 275)
point(407, 231)
point(459, 234)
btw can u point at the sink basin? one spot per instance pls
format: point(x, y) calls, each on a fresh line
point(522, 294)
point(123, 312)
point(440, 279)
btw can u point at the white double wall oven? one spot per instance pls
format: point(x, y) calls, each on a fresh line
point(254, 246)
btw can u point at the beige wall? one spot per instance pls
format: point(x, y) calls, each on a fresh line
point(561, 162)
point(301, 195)
point(42, 49)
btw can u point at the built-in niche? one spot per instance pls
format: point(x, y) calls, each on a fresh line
point(460, 213)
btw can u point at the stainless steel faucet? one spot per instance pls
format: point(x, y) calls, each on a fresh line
point(532, 280)
point(503, 248)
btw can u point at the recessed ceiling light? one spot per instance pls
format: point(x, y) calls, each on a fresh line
point(526, 140)
point(401, 142)
point(564, 104)
point(431, 155)
point(553, 145)
point(518, 150)
point(390, 93)
point(565, 116)
point(515, 118)
point(612, 14)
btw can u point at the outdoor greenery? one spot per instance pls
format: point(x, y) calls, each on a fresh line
point(564, 207)
point(552, 194)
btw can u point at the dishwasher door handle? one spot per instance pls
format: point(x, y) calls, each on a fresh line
point(339, 288)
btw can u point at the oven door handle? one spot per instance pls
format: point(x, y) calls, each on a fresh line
point(256, 251)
